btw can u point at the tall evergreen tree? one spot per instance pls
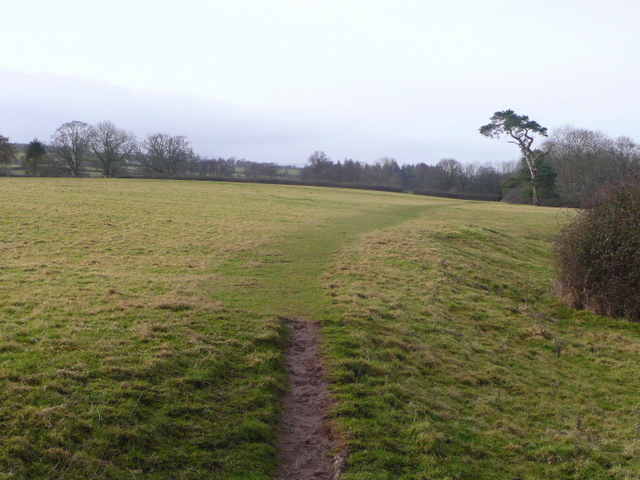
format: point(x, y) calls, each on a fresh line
point(521, 130)
point(34, 157)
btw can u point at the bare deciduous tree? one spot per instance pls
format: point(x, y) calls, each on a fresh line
point(71, 144)
point(586, 159)
point(319, 167)
point(164, 154)
point(582, 159)
point(112, 148)
point(447, 172)
point(626, 156)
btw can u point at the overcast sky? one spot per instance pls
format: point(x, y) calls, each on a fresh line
point(276, 80)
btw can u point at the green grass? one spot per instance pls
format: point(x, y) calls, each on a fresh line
point(141, 334)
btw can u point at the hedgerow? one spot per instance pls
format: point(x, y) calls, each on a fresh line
point(598, 253)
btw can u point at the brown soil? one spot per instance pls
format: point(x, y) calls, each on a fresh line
point(305, 443)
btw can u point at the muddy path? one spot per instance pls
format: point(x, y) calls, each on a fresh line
point(307, 447)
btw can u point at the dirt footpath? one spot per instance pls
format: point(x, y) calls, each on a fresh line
point(306, 444)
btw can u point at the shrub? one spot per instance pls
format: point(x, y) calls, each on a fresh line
point(598, 253)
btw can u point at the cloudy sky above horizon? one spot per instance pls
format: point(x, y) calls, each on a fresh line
point(276, 80)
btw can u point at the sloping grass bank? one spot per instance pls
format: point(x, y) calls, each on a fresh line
point(450, 358)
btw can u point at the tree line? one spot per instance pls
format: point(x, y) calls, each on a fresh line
point(448, 175)
point(79, 149)
point(566, 168)
point(585, 160)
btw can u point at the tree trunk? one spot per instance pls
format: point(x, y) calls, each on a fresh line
point(531, 163)
point(534, 195)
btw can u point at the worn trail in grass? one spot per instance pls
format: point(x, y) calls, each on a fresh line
point(307, 444)
point(283, 278)
point(288, 286)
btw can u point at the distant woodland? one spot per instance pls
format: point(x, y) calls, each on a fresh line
point(578, 162)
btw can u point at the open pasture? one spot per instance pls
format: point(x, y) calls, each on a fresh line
point(141, 334)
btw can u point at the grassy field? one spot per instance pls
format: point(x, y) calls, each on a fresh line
point(141, 334)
